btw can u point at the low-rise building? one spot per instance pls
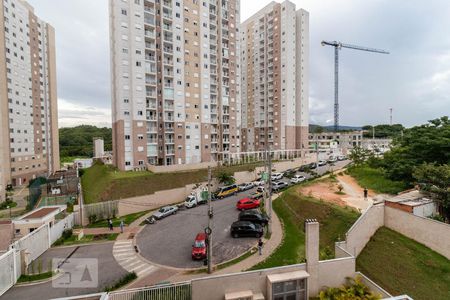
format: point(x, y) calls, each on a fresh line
point(413, 202)
point(36, 218)
point(335, 142)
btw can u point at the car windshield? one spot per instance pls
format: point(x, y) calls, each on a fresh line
point(162, 210)
point(199, 244)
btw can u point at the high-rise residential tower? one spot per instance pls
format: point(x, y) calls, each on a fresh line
point(274, 65)
point(175, 81)
point(29, 142)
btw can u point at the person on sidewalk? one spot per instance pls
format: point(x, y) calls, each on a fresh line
point(110, 223)
point(121, 226)
point(260, 246)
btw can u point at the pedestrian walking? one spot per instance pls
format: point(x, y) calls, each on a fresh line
point(121, 226)
point(110, 224)
point(366, 192)
point(260, 246)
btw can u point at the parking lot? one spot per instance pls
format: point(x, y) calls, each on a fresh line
point(169, 241)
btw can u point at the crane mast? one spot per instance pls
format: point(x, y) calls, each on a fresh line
point(337, 46)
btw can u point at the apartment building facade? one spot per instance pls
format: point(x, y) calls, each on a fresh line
point(29, 141)
point(274, 70)
point(175, 81)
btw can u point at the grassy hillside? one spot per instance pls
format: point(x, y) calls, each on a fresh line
point(376, 180)
point(293, 208)
point(102, 183)
point(403, 266)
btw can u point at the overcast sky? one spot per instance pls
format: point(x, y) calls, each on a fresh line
point(414, 79)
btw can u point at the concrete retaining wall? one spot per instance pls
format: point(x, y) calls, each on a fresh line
point(367, 224)
point(433, 234)
point(333, 272)
point(178, 168)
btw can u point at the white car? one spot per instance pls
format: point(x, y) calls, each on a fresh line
point(332, 159)
point(277, 176)
point(298, 179)
point(342, 157)
point(258, 182)
point(246, 186)
point(165, 211)
point(322, 163)
point(277, 186)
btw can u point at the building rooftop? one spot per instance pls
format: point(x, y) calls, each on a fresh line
point(411, 198)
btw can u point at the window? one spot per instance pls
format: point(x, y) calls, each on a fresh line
point(124, 12)
point(292, 289)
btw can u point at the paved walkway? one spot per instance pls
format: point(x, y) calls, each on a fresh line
point(126, 256)
point(127, 230)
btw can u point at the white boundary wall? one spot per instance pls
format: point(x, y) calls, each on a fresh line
point(431, 233)
point(32, 246)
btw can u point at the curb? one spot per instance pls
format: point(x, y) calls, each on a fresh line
point(36, 282)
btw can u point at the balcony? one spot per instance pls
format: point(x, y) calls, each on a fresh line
point(149, 34)
point(150, 58)
point(168, 129)
point(168, 62)
point(152, 129)
point(168, 38)
point(151, 117)
point(169, 141)
point(168, 107)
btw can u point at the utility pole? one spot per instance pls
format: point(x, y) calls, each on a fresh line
point(208, 230)
point(269, 191)
point(373, 132)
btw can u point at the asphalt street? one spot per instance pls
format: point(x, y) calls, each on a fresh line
point(109, 272)
point(169, 241)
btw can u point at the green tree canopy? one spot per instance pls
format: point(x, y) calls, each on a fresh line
point(78, 141)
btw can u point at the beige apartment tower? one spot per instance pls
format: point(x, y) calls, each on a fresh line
point(175, 81)
point(29, 142)
point(274, 71)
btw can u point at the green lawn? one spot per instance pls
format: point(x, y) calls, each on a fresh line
point(35, 277)
point(127, 220)
point(293, 208)
point(102, 183)
point(375, 179)
point(403, 266)
point(88, 238)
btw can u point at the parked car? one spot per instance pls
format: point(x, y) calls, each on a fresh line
point(246, 186)
point(342, 157)
point(322, 163)
point(279, 185)
point(165, 211)
point(192, 201)
point(289, 173)
point(199, 247)
point(332, 159)
point(277, 176)
point(303, 168)
point(298, 179)
point(254, 216)
point(256, 195)
point(247, 203)
point(312, 166)
point(245, 228)
point(258, 182)
point(227, 191)
point(260, 189)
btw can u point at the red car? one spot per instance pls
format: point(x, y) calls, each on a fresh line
point(247, 203)
point(199, 247)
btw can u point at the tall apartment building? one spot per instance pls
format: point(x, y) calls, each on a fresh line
point(29, 141)
point(175, 81)
point(275, 67)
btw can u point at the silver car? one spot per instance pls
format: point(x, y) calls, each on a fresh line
point(165, 211)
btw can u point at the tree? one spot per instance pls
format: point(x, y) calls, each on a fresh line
point(359, 155)
point(428, 143)
point(225, 178)
point(435, 181)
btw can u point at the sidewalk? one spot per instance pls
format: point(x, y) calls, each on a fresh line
point(127, 230)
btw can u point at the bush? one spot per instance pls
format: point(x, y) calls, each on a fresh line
point(354, 289)
point(5, 204)
point(121, 282)
point(67, 233)
point(92, 218)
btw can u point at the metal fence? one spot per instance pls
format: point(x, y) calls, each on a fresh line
point(178, 291)
point(9, 272)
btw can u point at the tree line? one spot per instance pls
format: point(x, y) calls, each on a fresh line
point(420, 156)
point(78, 141)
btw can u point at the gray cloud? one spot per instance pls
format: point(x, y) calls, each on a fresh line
point(414, 79)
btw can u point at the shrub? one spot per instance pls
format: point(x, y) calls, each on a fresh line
point(92, 218)
point(121, 282)
point(354, 289)
point(67, 233)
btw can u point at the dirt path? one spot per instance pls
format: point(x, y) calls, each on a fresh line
point(352, 194)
